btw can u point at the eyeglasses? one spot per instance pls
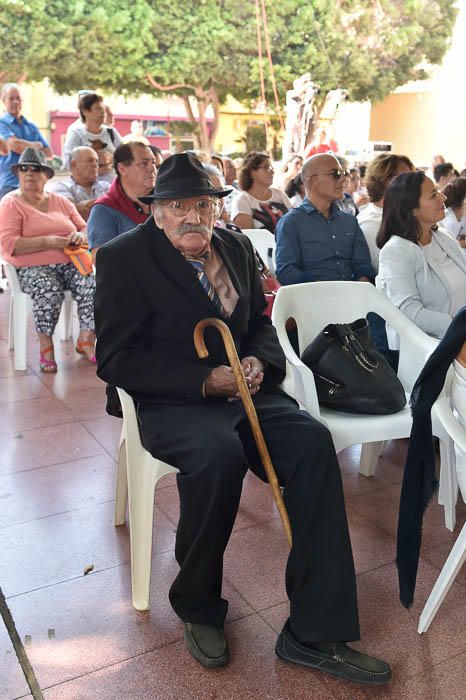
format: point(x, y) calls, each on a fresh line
point(265, 167)
point(337, 173)
point(181, 207)
point(33, 168)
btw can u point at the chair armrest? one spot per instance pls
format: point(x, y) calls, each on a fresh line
point(446, 417)
point(304, 384)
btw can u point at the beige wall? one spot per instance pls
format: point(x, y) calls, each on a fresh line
point(424, 119)
point(405, 120)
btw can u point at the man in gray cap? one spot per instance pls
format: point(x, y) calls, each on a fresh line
point(154, 284)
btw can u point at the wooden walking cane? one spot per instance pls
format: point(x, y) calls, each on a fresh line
point(248, 405)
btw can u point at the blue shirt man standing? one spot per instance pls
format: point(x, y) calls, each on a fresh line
point(317, 241)
point(19, 133)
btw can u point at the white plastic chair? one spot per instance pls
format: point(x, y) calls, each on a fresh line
point(264, 242)
point(20, 308)
point(138, 474)
point(315, 304)
point(454, 422)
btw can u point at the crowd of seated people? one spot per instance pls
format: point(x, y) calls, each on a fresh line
point(108, 176)
point(404, 230)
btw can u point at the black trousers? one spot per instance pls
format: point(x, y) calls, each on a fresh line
point(212, 446)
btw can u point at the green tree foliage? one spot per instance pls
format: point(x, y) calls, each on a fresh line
point(203, 50)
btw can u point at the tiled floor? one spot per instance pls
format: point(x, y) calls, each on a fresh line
point(84, 639)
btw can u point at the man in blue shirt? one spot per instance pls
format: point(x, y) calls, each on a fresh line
point(317, 241)
point(120, 209)
point(19, 133)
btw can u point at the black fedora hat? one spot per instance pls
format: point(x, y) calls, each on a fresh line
point(181, 176)
point(32, 156)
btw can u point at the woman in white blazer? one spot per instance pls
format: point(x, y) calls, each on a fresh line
point(421, 268)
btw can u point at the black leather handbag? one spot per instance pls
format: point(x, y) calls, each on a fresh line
point(350, 374)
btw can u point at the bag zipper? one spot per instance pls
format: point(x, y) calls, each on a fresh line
point(334, 386)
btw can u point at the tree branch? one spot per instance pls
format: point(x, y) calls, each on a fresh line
point(166, 88)
point(188, 108)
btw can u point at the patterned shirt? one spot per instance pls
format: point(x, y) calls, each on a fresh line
point(76, 193)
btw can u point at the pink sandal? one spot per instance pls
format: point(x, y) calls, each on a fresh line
point(80, 349)
point(46, 365)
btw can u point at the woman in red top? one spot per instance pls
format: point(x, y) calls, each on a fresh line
point(35, 228)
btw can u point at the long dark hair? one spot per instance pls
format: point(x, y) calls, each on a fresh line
point(401, 198)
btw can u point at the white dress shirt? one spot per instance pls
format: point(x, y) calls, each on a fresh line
point(370, 219)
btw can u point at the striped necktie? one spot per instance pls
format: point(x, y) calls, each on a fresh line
point(199, 264)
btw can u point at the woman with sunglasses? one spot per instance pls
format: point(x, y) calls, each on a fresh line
point(35, 229)
point(258, 205)
point(421, 268)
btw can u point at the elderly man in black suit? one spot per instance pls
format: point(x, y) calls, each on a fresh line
point(154, 284)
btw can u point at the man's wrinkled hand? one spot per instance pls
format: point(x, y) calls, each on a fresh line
point(253, 371)
point(221, 382)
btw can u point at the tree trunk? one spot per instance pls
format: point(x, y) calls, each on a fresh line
point(204, 98)
point(202, 104)
point(214, 101)
point(192, 120)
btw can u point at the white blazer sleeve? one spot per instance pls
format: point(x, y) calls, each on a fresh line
point(397, 278)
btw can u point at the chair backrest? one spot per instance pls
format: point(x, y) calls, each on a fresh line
point(130, 423)
point(12, 277)
point(314, 305)
point(450, 411)
point(264, 242)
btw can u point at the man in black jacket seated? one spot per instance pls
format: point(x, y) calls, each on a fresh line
point(154, 284)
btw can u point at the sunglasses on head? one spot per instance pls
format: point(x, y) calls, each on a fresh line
point(32, 167)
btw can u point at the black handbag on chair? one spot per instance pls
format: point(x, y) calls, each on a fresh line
point(350, 375)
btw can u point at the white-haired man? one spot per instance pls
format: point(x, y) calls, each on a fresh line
point(83, 186)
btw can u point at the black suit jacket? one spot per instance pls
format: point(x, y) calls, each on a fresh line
point(148, 301)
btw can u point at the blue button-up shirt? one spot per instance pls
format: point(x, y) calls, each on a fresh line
point(23, 129)
point(106, 223)
point(311, 248)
